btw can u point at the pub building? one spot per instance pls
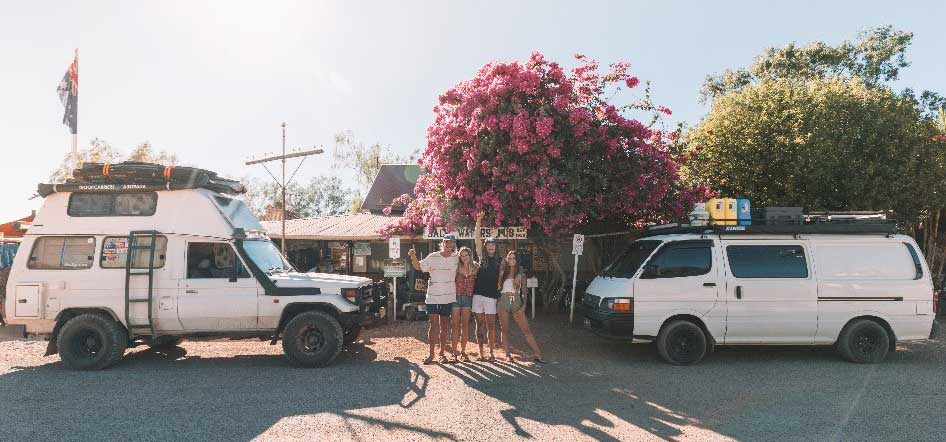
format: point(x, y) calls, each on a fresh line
point(350, 244)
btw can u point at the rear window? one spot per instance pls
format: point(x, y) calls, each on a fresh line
point(891, 260)
point(767, 261)
point(62, 253)
point(113, 204)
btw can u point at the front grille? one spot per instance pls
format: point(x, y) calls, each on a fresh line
point(591, 300)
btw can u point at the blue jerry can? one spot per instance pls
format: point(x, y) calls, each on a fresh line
point(743, 212)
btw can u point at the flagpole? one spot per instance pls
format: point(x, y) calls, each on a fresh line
point(75, 136)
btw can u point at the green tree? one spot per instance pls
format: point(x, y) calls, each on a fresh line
point(100, 151)
point(319, 197)
point(364, 159)
point(819, 126)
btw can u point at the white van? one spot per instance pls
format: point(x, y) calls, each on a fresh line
point(104, 267)
point(860, 288)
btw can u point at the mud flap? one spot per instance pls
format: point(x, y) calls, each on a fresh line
point(51, 348)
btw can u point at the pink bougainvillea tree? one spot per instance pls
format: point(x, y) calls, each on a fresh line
point(529, 144)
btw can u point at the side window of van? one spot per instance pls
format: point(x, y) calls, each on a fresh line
point(767, 261)
point(680, 259)
point(213, 260)
point(113, 204)
point(115, 252)
point(62, 253)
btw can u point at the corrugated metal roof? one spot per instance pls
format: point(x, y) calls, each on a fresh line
point(393, 180)
point(362, 226)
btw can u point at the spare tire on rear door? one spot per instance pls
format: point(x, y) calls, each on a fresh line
point(312, 339)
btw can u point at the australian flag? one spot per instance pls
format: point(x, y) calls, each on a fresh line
point(69, 95)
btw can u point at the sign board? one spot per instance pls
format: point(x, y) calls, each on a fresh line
point(394, 268)
point(362, 248)
point(394, 248)
point(485, 232)
point(578, 244)
point(532, 282)
point(337, 245)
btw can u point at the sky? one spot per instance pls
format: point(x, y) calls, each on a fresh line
point(212, 81)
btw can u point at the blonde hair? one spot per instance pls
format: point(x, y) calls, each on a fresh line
point(472, 267)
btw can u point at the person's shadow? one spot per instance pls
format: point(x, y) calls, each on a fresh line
point(170, 395)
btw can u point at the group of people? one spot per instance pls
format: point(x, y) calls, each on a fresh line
point(485, 286)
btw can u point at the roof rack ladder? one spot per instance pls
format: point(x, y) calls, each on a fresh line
point(132, 250)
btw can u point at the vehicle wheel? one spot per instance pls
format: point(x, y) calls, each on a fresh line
point(681, 343)
point(352, 334)
point(410, 313)
point(864, 342)
point(312, 339)
point(165, 342)
point(91, 342)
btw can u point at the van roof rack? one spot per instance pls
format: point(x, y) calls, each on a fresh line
point(875, 227)
point(133, 176)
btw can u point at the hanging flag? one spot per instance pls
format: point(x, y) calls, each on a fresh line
point(69, 95)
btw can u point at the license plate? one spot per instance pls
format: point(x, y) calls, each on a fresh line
point(587, 323)
point(422, 308)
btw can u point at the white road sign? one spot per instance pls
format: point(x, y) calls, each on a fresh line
point(578, 244)
point(394, 248)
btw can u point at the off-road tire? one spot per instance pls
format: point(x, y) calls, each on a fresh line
point(162, 342)
point(91, 342)
point(864, 342)
point(352, 334)
point(312, 339)
point(682, 342)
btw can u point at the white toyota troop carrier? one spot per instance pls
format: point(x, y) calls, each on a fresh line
point(140, 253)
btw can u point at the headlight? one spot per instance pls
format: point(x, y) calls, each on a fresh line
point(351, 295)
point(620, 304)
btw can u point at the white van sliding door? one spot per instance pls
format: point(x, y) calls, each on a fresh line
point(771, 294)
point(217, 292)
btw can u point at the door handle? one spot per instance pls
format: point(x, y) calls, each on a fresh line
point(190, 291)
point(738, 292)
point(709, 284)
point(21, 301)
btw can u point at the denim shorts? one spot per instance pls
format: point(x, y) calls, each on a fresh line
point(440, 309)
point(464, 301)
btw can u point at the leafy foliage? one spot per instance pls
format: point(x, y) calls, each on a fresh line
point(365, 160)
point(100, 151)
point(824, 144)
point(529, 144)
point(319, 197)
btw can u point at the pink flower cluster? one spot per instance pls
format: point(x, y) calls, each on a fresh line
point(529, 144)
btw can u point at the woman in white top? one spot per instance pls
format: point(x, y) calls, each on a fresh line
point(512, 285)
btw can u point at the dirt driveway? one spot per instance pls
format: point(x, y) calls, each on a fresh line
point(378, 390)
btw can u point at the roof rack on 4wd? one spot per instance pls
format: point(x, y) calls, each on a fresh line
point(136, 176)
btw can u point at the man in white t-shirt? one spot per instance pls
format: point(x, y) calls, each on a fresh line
point(441, 292)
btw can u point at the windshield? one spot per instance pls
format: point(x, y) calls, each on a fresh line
point(631, 259)
point(266, 256)
point(238, 214)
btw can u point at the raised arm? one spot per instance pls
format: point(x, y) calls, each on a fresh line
point(477, 240)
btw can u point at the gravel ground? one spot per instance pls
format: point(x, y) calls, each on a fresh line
point(591, 390)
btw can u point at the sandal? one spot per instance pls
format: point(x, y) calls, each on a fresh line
point(539, 360)
point(429, 360)
point(464, 357)
point(491, 359)
point(482, 359)
point(444, 360)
